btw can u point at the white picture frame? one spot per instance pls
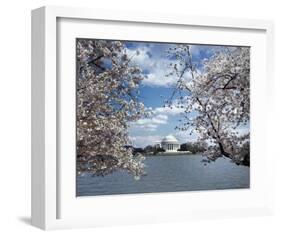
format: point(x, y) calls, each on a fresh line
point(53, 203)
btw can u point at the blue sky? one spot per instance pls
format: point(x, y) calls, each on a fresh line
point(156, 87)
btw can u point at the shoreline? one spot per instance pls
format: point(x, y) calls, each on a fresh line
point(171, 154)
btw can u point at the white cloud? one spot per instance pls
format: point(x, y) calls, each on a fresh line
point(156, 67)
point(173, 110)
point(151, 58)
point(143, 141)
point(185, 136)
point(147, 127)
point(141, 57)
point(168, 111)
point(157, 77)
point(158, 119)
point(159, 116)
point(151, 123)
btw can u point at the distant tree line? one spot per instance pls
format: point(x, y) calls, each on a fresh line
point(148, 150)
point(193, 147)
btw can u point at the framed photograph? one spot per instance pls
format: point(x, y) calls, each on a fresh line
point(140, 118)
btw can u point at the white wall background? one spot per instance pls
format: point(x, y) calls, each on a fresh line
point(15, 115)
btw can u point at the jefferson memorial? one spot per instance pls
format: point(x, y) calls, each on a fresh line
point(170, 144)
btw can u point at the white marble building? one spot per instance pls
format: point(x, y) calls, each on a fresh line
point(170, 144)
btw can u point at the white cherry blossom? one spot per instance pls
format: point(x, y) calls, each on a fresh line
point(219, 94)
point(107, 102)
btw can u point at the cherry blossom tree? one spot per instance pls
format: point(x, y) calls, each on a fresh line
point(107, 101)
point(216, 99)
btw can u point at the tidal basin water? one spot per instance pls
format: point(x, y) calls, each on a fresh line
point(169, 174)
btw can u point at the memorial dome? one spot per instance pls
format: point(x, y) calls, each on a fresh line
point(170, 139)
point(170, 143)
